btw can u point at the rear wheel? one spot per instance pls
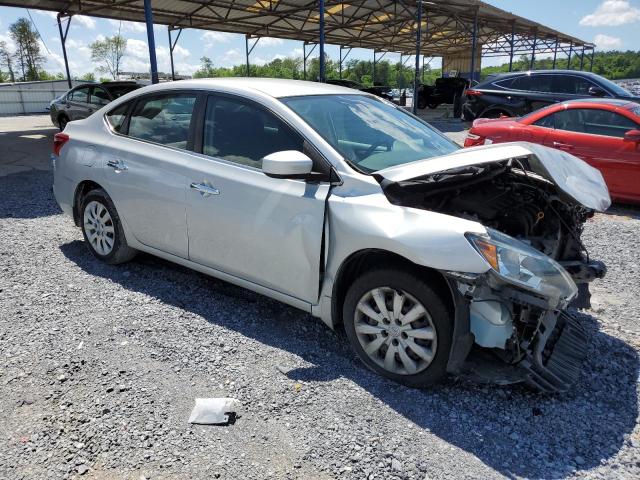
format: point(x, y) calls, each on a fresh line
point(399, 326)
point(432, 106)
point(102, 229)
point(495, 114)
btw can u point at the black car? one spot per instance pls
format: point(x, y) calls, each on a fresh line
point(446, 90)
point(378, 90)
point(83, 100)
point(519, 93)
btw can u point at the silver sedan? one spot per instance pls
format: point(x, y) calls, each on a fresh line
point(348, 207)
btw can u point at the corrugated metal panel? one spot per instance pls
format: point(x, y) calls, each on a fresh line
point(30, 97)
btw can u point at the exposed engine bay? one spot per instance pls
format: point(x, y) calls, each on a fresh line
point(510, 198)
point(519, 327)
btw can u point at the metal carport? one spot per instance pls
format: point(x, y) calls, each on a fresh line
point(456, 28)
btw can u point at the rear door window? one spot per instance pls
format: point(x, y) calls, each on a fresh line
point(117, 117)
point(79, 95)
point(164, 119)
point(540, 83)
point(99, 96)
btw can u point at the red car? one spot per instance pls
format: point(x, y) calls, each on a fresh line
point(604, 133)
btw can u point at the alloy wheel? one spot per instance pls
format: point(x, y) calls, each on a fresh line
point(99, 228)
point(395, 330)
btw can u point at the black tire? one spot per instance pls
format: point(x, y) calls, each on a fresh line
point(120, 251)
point(494, 114)
point(457, 106)
point(432, 106)
point(62, 121)
point(409, 282)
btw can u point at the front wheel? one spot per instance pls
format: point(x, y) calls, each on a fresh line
point(102, 229)
point(399, 326)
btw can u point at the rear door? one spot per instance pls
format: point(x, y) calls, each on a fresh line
point(242, 222)
point(145, 167)
point(77, 105)
point(597, 137)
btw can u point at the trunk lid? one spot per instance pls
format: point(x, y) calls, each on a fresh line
point(581, 182)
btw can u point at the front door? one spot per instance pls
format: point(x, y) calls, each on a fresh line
point(240, 221)
point(597, 137)
point(77, 104)
point(144, 169)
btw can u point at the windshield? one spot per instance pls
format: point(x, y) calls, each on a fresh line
point(615, 88)
point(369, 133)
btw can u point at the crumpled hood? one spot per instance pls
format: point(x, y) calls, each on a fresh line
point(583, 183)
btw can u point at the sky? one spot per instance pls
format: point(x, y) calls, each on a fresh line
point(610, 24)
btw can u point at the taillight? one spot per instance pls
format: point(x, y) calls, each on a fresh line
point(473, 93)
point(474, 140)
point(59, 139)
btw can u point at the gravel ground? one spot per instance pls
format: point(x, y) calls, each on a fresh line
point(101, 365)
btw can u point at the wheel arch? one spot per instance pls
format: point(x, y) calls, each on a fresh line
point(367, 259)
point(497, 109)
point(83, 188)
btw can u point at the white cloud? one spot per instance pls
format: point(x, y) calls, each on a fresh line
point(86, 22)
point(9, 41)
point(44, 13)
point(269, 42)
point(296, 52)
point(135, 27)
point(605, 42)
point(211, 39)
point(611, 13)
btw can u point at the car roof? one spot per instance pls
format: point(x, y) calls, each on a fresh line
point(274, 87)
point(614, 102)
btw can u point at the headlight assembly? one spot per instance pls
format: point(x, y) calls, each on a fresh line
point(520, 264)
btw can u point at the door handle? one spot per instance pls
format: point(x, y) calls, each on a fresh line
point(117, 165)
point(563, 146)
point(205, 190)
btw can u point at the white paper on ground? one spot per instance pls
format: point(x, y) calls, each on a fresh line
point(213, 411)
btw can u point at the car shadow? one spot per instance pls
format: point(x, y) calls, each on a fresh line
point(513, 430)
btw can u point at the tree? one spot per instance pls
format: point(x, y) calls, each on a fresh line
point(28, 53)
point(6, 60)
point(88, 77)
point(206, 69)
point(109, 53)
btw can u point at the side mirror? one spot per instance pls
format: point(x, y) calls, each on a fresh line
point(632, 136)
point(287, 164)
point(596, 92)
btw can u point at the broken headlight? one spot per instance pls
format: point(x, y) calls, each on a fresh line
point(520, 264)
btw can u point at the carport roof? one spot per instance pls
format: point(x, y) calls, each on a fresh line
point(382, 25)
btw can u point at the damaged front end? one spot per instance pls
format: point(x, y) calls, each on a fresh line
point(534, 202)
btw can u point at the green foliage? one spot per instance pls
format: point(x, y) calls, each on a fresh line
point(43, 75)
point(613, 65)
point(387, 73)
point(27, 55)
point(88, 77)
point(109, 53)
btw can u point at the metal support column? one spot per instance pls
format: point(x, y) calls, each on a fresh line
point(321, 7)
point(151, 41)
point(582, 59)
point(533, 50)
point(569, 57)
point(172, 46)
point(63, 41)
point(474, 45)
point(305, 57)
point(343, 58)
point(512, 43)
point(555, 53)
point(416, 80)
point(248, 50)
point(375, 61)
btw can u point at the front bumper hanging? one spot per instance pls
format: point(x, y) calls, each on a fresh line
point(555, 361)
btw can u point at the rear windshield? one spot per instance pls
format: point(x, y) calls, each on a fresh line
point(117, 91)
